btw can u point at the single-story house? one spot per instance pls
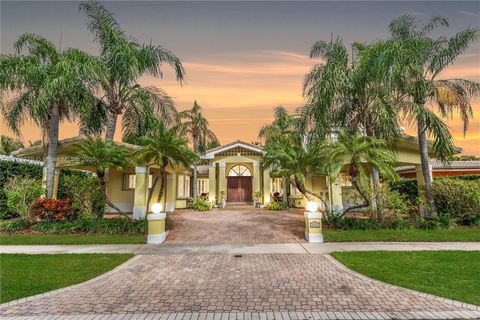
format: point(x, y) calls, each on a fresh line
point(232, 172)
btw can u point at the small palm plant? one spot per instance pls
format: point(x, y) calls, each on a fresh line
point(163, 147)
point(358, 154)
point(102, 155)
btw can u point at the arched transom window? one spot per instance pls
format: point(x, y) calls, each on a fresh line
point(239, 170)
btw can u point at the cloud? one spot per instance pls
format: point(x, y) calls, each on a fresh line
point(468, 13)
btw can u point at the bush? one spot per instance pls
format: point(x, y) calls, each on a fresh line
point(14, 225)
point(407, 188)
point(353, 223)
point(21, 193)
point(85, 191)
point(10, 169)
point(459, 198)
point(101, 226)
point(202, 205)
point(53, 210)
point(398, 212)
point(275, 206)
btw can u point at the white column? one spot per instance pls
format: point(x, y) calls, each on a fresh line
point(336, 200)
point(212, 183)
point(141, 193)
point(256, 177)
point(266, 185)
point(222, 179)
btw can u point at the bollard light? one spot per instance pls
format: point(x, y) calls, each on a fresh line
point(312, 206)
point(156, 207)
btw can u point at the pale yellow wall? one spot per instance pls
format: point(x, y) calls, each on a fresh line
point(122, 198)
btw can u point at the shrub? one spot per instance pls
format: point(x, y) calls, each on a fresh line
point(10, 169)
point(202, 205)
point(407, 188)
point(85, 191)
point(53, 210)
point(21, 193)
point(100, 226)
point(14, 225)
point(275, 206)
point(353, 223)
point(190, 203)
point(398, 212)
point(459, 198)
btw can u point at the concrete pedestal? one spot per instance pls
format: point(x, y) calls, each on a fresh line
point(313, 227)
point(156, 227)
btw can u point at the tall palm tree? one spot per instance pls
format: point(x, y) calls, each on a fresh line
point(343, 94)
point(163, 147)
point(411, 63)
point(195, 125)
point(126, 60)
point(358, 153)
point(102, 155)
point(9, 144)
point(48, 86)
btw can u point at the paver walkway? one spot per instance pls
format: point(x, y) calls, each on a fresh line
point(226, 284)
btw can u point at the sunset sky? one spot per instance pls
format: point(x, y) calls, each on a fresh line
point(242, 58)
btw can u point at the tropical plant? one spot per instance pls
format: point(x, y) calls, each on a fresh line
point(8, 145)
point(163, 147)
point(21, 193)
point(195, 125)
point(358, 154)
point(126, 61)
point(288, 154)
point(410, 64)
point(102, 155)
point(53, 209)
point(202, 205)
point(275, 206)
point(86, 194)
point(343, 95)
point(48, 86)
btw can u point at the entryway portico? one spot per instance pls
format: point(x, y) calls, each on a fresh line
point(236, 173)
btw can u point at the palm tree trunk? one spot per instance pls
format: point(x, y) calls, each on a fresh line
point(366, 200)
point(307, 193)
point(431, 210)
point(103, 186)
point(163, 175)
point(51, 160)
point(111, 126)
point(285, 185)
point(150, 192)
point(377, 197)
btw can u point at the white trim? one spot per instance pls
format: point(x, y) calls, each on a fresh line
point(314, 238)
point(139, 213)
point(156, 238)
point(211, 154)
point(156, 216)
point(312, 215)
point(141, 170)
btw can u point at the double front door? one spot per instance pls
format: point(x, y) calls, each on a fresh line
point(239, 189)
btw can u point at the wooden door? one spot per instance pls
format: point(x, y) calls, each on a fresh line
point(239, 189)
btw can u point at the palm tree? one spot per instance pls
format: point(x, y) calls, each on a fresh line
point(126, 60)
point(358, 153)
point(163, 147)
point(48, 86)
point(410, 64)
point(8, 145)
point(102, 155)
point(344, 95)
point(196, 127)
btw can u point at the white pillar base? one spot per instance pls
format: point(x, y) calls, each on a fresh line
point(314, 238)
point(156, 238)
point(139, 213)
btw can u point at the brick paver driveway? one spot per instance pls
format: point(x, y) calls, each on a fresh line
point(243, 225)
point(224, 283)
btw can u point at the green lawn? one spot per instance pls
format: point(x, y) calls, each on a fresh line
point(23, 275)
point(403, 235)
point(6, 239)
point(450, 274)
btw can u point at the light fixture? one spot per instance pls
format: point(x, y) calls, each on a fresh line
point(312, 206)
point(156, 207)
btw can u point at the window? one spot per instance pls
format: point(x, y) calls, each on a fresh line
point(239, 170)
point(345, 180)
point(183, 186)
point(294, 191)
point(202, 186)
point(276, 185)
point(129, 181)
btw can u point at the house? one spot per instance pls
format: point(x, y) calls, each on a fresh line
point(232, 172)
point(444, 169)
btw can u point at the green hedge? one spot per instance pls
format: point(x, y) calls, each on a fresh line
point(9, 169)
point(101, 226)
